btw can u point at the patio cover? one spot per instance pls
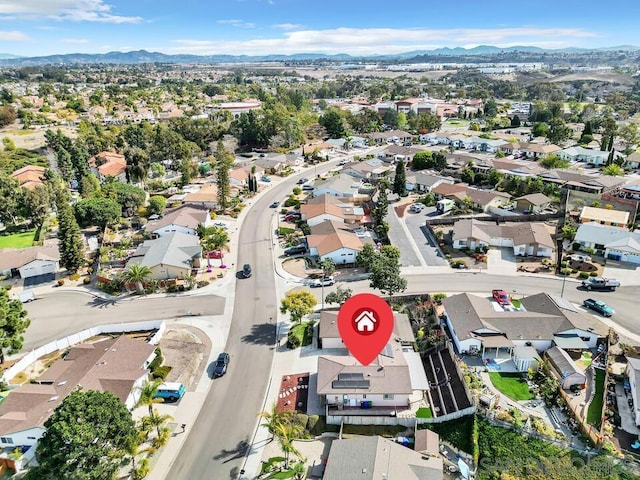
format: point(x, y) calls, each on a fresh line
point(495, 341)
point(416, 371)
point(570, 342)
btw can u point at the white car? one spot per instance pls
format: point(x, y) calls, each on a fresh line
point(416, 207)
point(322, 282)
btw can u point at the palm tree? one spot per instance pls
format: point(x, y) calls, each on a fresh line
point(299, 470)
point(273, 418)
point(138, 274)
point(286, 434)
point(133, 450)
point(158, 421)
point(148, 395)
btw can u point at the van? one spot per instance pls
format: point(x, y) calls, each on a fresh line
point(26, 296)
point(170, 391)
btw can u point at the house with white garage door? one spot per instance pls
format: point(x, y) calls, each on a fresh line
point(29, 262)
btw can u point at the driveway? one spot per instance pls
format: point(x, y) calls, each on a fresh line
point(627, 274)
point(399, 238)
point(501, 261)
point(427, 244)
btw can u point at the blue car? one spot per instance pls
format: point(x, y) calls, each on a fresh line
point(170, 391)
point(599, 306)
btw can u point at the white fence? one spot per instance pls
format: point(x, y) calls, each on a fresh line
point(79, 337)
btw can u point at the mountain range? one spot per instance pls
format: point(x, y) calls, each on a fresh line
point(143, 56)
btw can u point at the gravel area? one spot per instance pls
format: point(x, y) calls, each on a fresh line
point(186, 349)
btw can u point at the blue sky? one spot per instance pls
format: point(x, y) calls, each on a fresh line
point(357, 27)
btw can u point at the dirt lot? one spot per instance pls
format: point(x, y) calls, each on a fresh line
point(186, 349)
point(33, 139)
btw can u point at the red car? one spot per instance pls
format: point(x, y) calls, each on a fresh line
point(501, 297)
point(215, 254)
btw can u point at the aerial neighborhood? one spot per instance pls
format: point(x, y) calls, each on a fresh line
point(177, 241)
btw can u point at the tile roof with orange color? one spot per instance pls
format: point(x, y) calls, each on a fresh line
point(109, 163)
point(30, 176)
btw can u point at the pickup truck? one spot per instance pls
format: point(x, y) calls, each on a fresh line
point(599, 306)
point(599, 283)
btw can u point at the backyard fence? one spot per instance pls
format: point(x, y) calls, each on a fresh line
point(158, 325)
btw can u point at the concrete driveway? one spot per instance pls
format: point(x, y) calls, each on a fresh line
point(626, 274)
point(427, 244)
point(501, 261)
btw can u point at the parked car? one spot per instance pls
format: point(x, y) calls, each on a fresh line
point(246, 270)
point(322, 282)
point(501, 297)
point(215, 254)
point(577, 257)
point(343, 162)
point(599, 306)
point(220, 367)
point(170, 391)
point(26, 296)
point(291, 216)
point(599, 283)
point(295, 250)
point(416, 207)
point(274, 205)
point(264, 178)
point(308, 188)
point(302, 181)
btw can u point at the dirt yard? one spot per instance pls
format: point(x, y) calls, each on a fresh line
point(186, 349)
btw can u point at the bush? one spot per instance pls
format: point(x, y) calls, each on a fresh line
point(202, 283)
point(161, 372)
point(157, 361)
point(86, 280)
point(584, 275)
point(60, 282)
point(74, 276)
point(593, 274)
point(565, 271)
point(293, 341)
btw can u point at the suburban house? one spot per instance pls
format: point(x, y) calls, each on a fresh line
point(117, 365)
point(574, 180)
point(236, 108)
point(518, 168)
point(395, 153)
point(425, 182)
point(586, 155)
point(445, 190)
point(368, 170)
point(612, 242)
point(479, 325)
point(108, 164)
point(321, 148)
point(240, 176)
point(565, 368)
point(537, 150)
point(271, 163)
point(632, 161)
point(341, 185)
point(205, 197)
point(30, 176)
point(480, 199)
point(605, 216)
point(390, 383)
point(31, 261)
point(329, 336)
point(533, 203)
point(326, 207)
point(334, 240)
point(633, 372)
point(184, 219)
point(526, 238)
point(391, 136)
point(171, 256)
point(376, 458)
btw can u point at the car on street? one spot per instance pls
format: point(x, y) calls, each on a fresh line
point(323, 282)
point(597, 283)
point(416, 207)
point(343, 162)
point(308, 188)
point(599, 306)
point(274, 205)
point(302, 181)
point(220, 367)
point(246, 270)
point(170, 391)
point(501, 297)
point(264, 178)
point(295, 250)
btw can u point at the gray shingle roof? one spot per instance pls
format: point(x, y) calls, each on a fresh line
point(176, 249)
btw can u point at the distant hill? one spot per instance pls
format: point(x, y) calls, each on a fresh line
point(143, 56)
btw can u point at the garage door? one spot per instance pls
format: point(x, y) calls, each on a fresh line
point(49, 267)
point(37, 268)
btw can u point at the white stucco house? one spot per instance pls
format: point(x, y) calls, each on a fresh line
point(341, 185)
point(336, 241)
point(30, 262)
point(586, 155)
point(184, 219)
point(614, 243)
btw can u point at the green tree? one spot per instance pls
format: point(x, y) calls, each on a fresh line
point(328, 266)
point(224, 161)
point(540, 129)
point(385, 272)
point(558, 131)
point(128, 196)
point(13, 323)
point(613, 170)
point(10, 204)
point(380, 209)
point(7, 116)
point(148, 395)
point(421, 160)
point(138, 164)
point(70, 244)
point(400, 180)
point(553, 160)
point(298, 304)
point(490, 108)
point(36, 204)
point(340, 296)
point(630, 134)
point(138, 274)
point(425, 123)
point(156, 206)
point(333, 122)
point(85, 439)
point(97, 211)
point(515, 121)
point(366, 256)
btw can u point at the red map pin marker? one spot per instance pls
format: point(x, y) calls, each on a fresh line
point(365, 323)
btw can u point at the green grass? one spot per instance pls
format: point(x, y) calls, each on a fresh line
point(369, 430)
point(516, 303)
point(285, 474)
point(424, 412)
point(303, 333)
point(17, 240)
point(513, 385)
point(458, 432)
point(594, 414)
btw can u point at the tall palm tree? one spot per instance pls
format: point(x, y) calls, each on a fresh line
point(138, 274)
point(158, 421)
point(273, 418)
point(148, 395)
point(286, 434)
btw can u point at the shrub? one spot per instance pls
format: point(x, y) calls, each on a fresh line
point(60, 282)
point(74, 276)
point(438, 297)
point(202, 283)
point(90, 270)
point(593, 274)
point(157, 361)
point(583, 275)
point(293, 341)
point(574, 271)
point(86, 280)
point(161, 372)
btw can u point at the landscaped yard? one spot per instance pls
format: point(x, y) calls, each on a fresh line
point(594, 414)
point(458, 432)
point(17, 240)
point(513, 385)
point(424, 412)
point(300, 335)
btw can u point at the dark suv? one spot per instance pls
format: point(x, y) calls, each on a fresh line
point(220, 367)
point(246, 270)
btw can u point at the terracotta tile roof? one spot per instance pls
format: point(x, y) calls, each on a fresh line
point(108, 163)
point(185, 216)
point(30, 176)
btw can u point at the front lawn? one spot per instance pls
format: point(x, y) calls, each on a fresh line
point(513, 385)
point(594, 413)
point(18, 240)
point(300, 335)
point(424, 412)
point(458, 432)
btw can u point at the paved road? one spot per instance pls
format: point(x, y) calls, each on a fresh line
point(423, 238)
point(61, 313)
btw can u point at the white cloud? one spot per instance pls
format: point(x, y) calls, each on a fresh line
point(372, 41)
point(237, 23)
point(13, 36)
point(76, 41)
point(69, 10)
point(288, 26)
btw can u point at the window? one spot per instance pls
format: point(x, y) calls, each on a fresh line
point(388, 396)
point(6, 440)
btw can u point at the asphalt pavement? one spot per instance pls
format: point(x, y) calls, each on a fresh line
point(427, 244)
